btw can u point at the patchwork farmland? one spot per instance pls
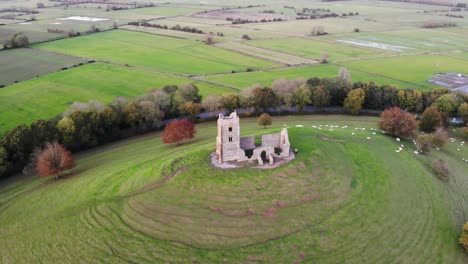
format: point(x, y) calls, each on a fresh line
point(102, 78)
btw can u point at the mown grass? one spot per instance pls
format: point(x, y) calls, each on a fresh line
point(243, 80)
point(23, 64)
point(156, 52)
point(339, 197)
point(49, 95)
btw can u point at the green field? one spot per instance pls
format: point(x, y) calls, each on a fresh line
point(49, 95)
point(23, 64)
point(413, 40)
point(156, 52)
point(336, 200)
point(243, 80)
point(313, 48)
point(414, 69)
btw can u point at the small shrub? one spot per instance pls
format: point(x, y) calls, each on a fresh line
point(398, 122)
point(440, 137)
point(441, 169)
point(264, 120)
point(54, 160)
point(464, 237)
point(356, 30)
point(423, 143)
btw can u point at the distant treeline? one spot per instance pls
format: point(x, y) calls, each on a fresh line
point(432, 2)
point(176, 27)
point(246, 21)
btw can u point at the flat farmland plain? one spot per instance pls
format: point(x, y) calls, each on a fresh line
point(412, 40)
point(23, 64)
point(414, 69)
point(313, 48)
point(49, 95)
point(155, 52)
point(244, 80)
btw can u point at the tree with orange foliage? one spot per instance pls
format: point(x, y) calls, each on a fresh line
point(178, 131)
point(398, 122)
point(53, 160)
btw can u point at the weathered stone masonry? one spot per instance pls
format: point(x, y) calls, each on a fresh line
point(231, 147)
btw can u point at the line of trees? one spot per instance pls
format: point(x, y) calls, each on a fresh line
point(86, 125)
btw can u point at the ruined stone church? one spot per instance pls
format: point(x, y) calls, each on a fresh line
point(230, 146)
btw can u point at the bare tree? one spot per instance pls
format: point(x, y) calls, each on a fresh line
point(210, 38)
point(344, 74)
point(317, 30)
point(324, 58)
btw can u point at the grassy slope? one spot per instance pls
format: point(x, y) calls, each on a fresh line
point(243, 80)
point(24, 64)
point(416, 69)
point(157, 52)
point(338, 200)
point(49, 95)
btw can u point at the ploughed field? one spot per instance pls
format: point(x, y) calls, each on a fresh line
point(343, 199)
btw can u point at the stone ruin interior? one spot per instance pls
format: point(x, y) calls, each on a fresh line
point(231, 147)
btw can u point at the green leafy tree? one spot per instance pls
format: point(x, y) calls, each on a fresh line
point(464, 237)
point(18, 144)
point(230, 101)
point(131, 116)
point(264, 120)
point(109, 121)
point(17, 40)
point(66, 126)
point(355, 100)
point(320, 97)
point(447, 103)
point(264, 98)
point(431, 119)
point(301, 97)
point(190, 109)
point(190, 93)
point(85, 129)
point(463, 112)
point(3, 161)
point(43, 131)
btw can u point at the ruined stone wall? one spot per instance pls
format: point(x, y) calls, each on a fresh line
point(271, 140)
point(247, 143)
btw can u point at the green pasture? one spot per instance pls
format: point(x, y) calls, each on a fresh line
point(414, 40)
point(414, 69)
point(155, 52)
point(314, 48)
point(161, 11)
point(243, 80)
point(141, 201)
point(23, 64)
point(330, 25)
point(49, 95)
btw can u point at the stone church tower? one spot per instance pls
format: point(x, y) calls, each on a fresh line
point(228, 139)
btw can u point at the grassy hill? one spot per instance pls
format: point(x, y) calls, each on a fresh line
point(344, 199)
